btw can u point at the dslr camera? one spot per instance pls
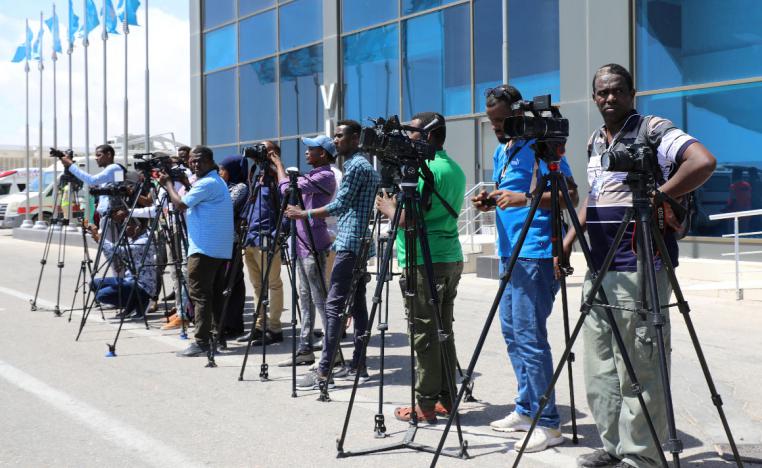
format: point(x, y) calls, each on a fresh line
point(257, 153)
point(389, 142)
point(540, 121)
point(149, 162)
point(637, 158)
point(56, 153)
point(116, 189)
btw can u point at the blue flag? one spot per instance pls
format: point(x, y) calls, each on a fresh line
point(23, 52)
point(73, 23)
point(131, 6)
point(52, 24)
point(110, 17)
point(90, 22)
point(36, 52)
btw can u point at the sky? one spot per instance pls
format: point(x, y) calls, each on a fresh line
point(169, 65)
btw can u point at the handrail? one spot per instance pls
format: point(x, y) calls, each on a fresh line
point(735, 216)
point(469, 216)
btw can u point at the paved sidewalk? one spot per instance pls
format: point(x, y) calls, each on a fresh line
point(147, 407)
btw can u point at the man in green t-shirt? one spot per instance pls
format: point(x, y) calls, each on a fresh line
point(432, 389)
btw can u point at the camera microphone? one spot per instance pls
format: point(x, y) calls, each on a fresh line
point(433, 125)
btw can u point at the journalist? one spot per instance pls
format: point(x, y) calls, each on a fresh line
point(618, 416)
point(209, 217)
point(317, 188)
point(528, 299)
point(432, 390)
point(353, 205)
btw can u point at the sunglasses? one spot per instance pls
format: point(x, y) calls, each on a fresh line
point(499, 92)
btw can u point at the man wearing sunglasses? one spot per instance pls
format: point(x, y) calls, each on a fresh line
point(528, 298)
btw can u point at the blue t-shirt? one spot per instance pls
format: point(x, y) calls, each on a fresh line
point(210, 217)
point(516, 176)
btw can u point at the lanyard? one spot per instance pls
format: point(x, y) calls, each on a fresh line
point(514, 151)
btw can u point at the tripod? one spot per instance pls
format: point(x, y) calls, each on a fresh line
point(85, 271)
point(409, 201)
point(60, 219)
point(554, 180)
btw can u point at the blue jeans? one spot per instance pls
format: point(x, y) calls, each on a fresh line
point(111, 289)
point(524, 310)
point(338, 295)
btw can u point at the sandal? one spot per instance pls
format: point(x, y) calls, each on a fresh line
point(405, 413)
point(441, 410)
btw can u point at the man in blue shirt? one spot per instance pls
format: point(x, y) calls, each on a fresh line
point(353, 205)
point(528, 297)
point(209, 219)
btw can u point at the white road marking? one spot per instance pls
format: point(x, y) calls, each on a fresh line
point(122, 435)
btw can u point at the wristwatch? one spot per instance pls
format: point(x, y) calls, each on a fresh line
point(528, 195)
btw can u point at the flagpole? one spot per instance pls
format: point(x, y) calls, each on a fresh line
point(40, 224)
point(104, 36)
point(27, 222)
point(73, 223)
point(85, 43)
point(148, 105)
point(54, 59)
point(126, 29)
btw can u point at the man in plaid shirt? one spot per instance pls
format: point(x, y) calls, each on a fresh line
point(353, 205)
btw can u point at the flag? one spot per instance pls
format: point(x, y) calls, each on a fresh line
point(23, 52)
point(90, 22)
point(52, 24)
point(131, 6)
point(73, 23)
point(110, 17)
point(36, 52)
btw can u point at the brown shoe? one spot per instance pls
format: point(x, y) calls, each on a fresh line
point(174, 322)
point(405, 413)
point(441, 410)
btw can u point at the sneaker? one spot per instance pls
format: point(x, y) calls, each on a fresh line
point(195, 349)
point(624, 464)
point(245, 338)
point(311, 381)
point(514, 422)
point(174, 322)
point(364, 377)
point(541, 439)
point(343, 372)
point(597, 459)
point(302, 358)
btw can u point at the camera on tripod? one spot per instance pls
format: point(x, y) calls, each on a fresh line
point(149, 162)
point(257, 152)
point(389, 142)
point(119, 189)
point(633, 158)
point(540, 121)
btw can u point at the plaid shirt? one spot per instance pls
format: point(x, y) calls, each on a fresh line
point(354, 203)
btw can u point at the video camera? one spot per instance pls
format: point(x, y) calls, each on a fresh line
point(540, 121)
point(117, 189)
point(56, 153)
point(389, 142)
point(257, 152)
point(149, 162)
point(633, 158)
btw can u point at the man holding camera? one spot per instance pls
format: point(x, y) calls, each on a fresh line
point(432, 389)
point(210, 242)
point(113, 172)
point(317, 187)
point(528, 298)
point(353, 205)
point(618, 416)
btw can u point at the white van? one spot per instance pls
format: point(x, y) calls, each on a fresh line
point(14, 181)
point(13, 207)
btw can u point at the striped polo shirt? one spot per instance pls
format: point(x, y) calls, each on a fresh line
point(609, 196)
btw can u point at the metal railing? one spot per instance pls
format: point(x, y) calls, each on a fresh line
point(735, 216)
point(471, 221)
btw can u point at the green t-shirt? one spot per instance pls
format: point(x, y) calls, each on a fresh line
point(442, 228)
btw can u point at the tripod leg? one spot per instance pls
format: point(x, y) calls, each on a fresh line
point(685, 310)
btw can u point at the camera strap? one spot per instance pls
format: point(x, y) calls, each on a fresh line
point(514, 151)
point(428, 189)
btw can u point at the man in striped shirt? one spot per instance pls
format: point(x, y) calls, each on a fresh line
point(353, 205)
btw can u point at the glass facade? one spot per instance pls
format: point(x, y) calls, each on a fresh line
point(220, 48)
point(301, 22)
point(301, 107)
point(704, 72)
point(257, 37)
point(258, 99)
point(246, 7)
point(356, 14)
point(220, 107)
point(218, 12)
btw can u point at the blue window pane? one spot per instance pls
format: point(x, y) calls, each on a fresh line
point(250, 6)
point(301, 106)
point(301, 22)
point(726, 120)
point(438, 57)
point(534, 65)
point(222, 152)
point(217, 12)
point(258, 100)
point(413, 6)
point(356, 14)
point(257, 36)
point(219, 48)
point(698, 41)
point(219, 106)
point(371, 73)
point(488, 57)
